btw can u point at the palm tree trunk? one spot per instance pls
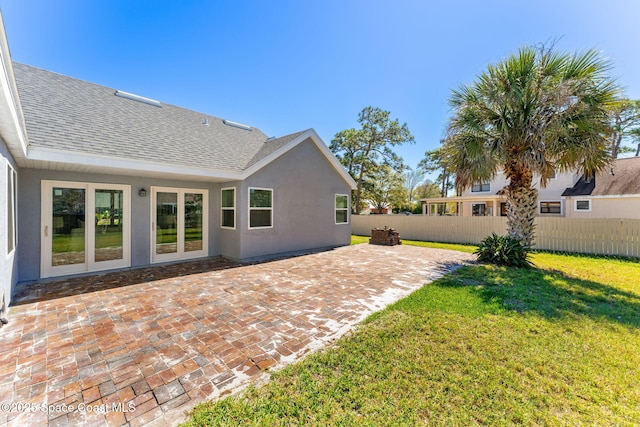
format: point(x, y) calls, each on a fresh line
point(521, 213)
point(522, 205)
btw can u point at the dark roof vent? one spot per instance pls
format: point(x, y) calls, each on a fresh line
point(237, 125)
point(137, 98)
point(206, 121)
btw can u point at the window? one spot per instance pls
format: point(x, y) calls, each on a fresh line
point(550, 208)
point(228, 204)
point(12, 213)
point(342, 209)
point(478, 209)
point(503, 209)
point(260, 208)
point(481, 187)
point(583, 205)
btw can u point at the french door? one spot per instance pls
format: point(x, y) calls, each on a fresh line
point(85, 227)
point(179, 223)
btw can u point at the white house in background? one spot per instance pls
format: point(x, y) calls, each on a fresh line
point(613, 193)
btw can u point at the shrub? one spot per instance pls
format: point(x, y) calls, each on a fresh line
point(503, 250)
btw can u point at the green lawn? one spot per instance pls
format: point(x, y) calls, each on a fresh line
point(554, 345)
point(356, 240)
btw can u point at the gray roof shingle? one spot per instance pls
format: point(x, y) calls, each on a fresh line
point(623, 178)
point(272, 145)
point(68, 114)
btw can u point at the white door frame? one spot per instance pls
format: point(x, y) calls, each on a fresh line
point(180, 253)
point(89, 265)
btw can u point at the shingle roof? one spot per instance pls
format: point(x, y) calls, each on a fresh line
point(623, 178)
point(271, 145)
point(68, 114)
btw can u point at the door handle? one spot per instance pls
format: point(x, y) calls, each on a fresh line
point(46, 231)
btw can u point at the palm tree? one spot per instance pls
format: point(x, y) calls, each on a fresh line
point(535, 113)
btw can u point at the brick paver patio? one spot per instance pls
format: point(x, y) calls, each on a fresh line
point(142, 347)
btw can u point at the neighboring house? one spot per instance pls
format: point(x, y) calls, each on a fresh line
point(613, 193)
point(94, 179)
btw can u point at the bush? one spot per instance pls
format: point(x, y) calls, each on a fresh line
point(503, 250)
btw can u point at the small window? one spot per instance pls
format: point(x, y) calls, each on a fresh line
point(260, 208)
point(503, 209)
point(12, 213)
point(228, 203)
point(583, 205)
point(478, 209)
point(550, 208)
point(482, 187)
point(342, 209)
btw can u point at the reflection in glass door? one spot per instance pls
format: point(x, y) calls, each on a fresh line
point(179, 225)
point(85, 227)
point(192, 222)
point(166, 223)
point(109, 223)
point(68, 226)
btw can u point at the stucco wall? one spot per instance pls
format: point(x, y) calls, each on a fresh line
point(605, 207)
point(554, 189)
point(8, 261)
point(305, 185)
point(30, 222)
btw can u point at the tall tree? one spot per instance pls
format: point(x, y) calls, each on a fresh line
point(412, 179)
point(366, 149)
point(427, 190)
point(536, 112)
point(625, 118)
point(434, 162)
point(385, 188)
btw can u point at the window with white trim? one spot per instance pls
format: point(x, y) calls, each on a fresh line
point(342, 209)
point(228, 203)
point(12, 214)
point(553, 208)
point(260, 207)
point(582, 205)
point(481, 187)
point(478, 209)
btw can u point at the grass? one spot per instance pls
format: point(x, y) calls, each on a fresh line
point(356, 240)
point(554, 345)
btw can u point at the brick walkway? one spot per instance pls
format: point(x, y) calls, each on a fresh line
point(162, 339)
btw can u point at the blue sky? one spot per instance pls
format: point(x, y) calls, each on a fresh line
point(284, 66)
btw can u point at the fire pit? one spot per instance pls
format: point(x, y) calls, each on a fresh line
point(385, 236)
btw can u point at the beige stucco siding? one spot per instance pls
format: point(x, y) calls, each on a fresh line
point(605, 207)
point(555, 187)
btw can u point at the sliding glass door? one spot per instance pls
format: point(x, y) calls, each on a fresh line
point(85, 227)
point(179, 223)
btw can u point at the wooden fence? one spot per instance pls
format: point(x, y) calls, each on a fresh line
point(593, 236)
